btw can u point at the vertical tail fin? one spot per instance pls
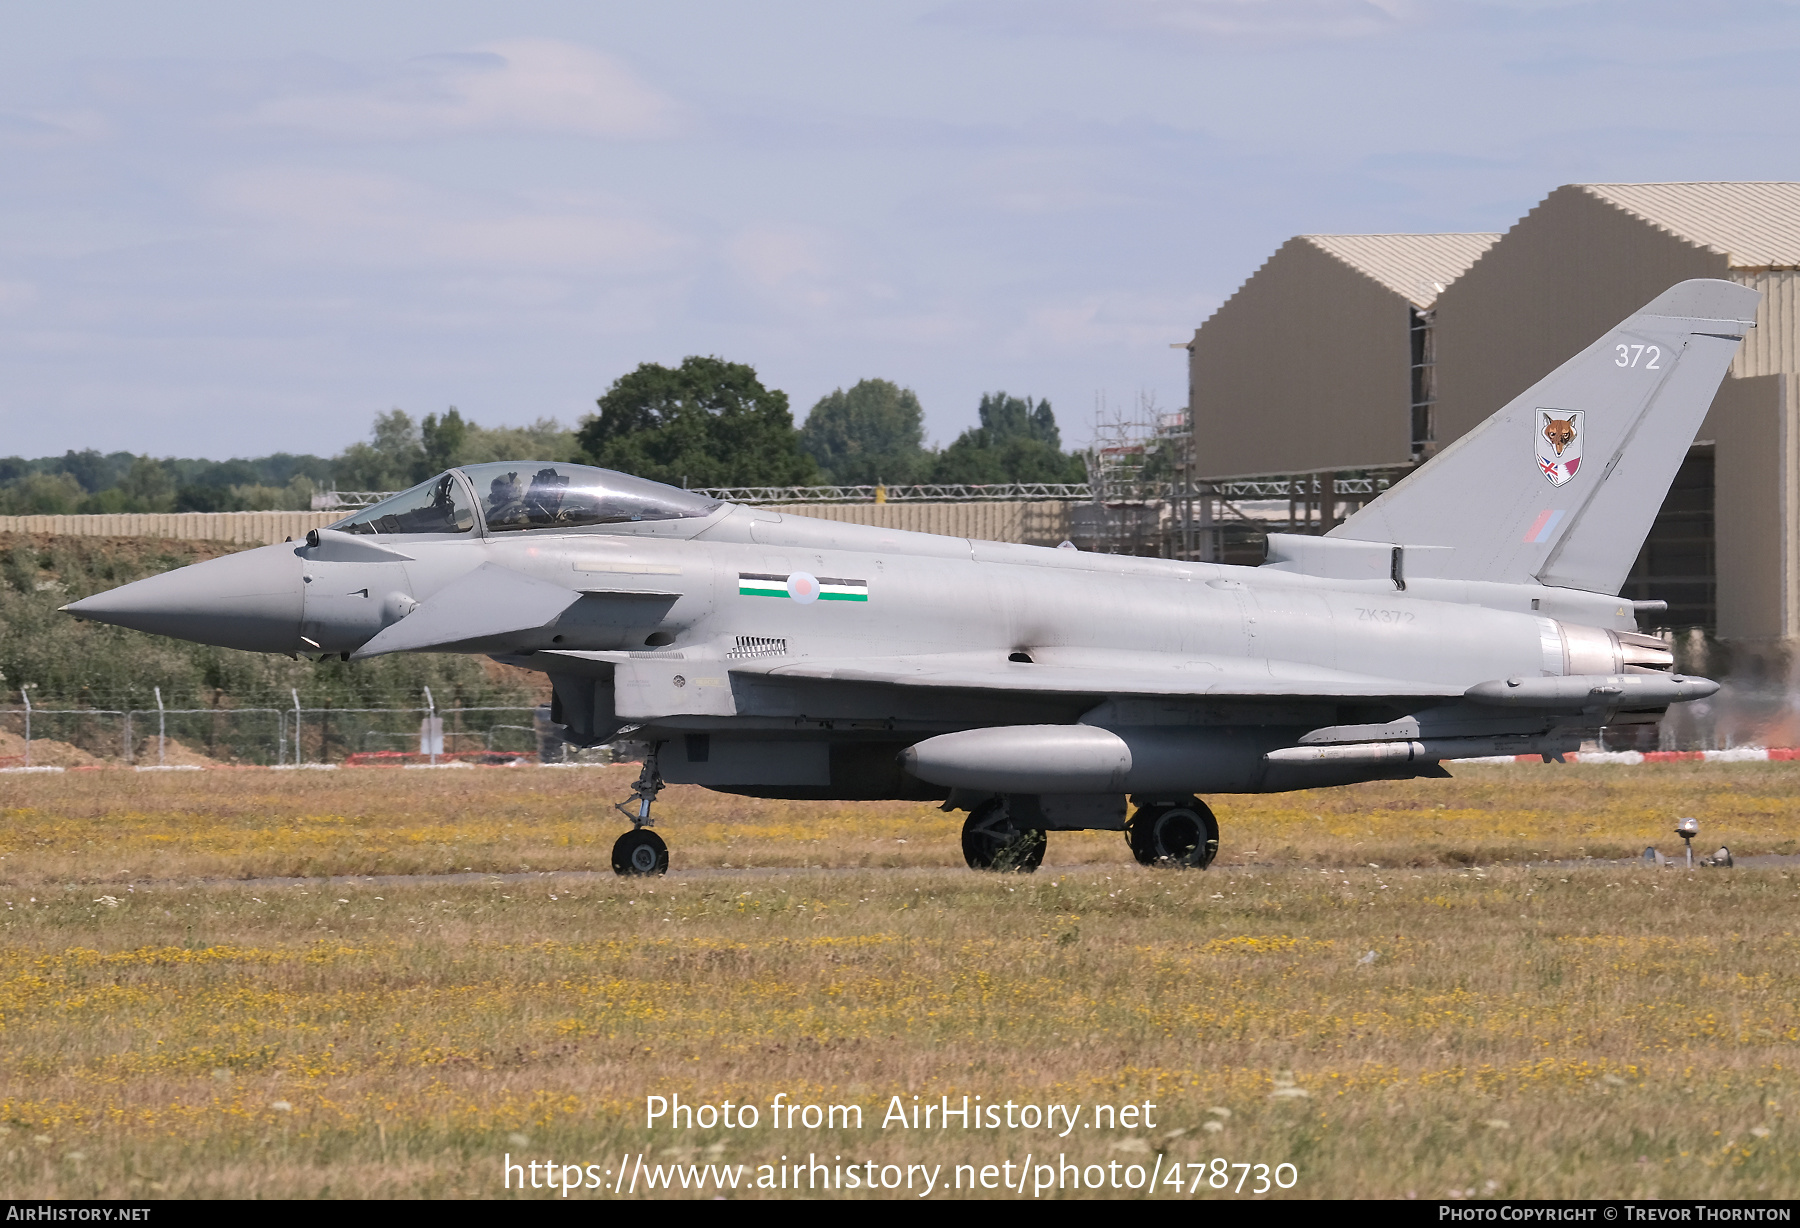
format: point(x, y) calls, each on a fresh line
point(1562, 484)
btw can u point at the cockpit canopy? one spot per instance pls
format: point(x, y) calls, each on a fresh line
point(438, 506)
point(515, 495)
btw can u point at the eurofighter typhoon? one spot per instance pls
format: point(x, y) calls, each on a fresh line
point(1470, 610)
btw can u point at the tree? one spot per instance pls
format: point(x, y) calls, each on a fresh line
point(1016, 442)
point(875, 432)
point(442, 442)
point(148, 486)
point(707, 422)
point(41, 494)
point(401, 453)
point(390, 461)
point(546, 439)
point(94, 471)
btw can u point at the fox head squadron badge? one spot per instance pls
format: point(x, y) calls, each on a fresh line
point(1559, 443)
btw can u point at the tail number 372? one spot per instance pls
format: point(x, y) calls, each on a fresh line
point(1633, 355)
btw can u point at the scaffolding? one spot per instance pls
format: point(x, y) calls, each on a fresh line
point(1140, 475)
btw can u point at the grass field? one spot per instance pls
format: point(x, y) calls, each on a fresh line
point(1381, 986)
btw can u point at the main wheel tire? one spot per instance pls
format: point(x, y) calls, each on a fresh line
point(991, 842)
point(1183, 834)
point(640, 852)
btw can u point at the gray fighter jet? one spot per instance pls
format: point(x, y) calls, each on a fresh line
point(1470, 610)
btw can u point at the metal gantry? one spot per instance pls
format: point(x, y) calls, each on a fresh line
point(1112, 486)
point(348, 500)
point(1015, 492)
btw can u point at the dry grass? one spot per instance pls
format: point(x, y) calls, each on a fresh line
point(119, 827)
point(1555, 1031)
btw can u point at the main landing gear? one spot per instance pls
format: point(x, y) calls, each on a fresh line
point(1181, 832)
point(990, 841)
point(1006, 833)
point(641, 851)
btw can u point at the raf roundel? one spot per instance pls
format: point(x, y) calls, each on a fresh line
point(803, 587)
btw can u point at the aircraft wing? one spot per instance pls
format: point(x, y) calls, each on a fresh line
point(1100, 672)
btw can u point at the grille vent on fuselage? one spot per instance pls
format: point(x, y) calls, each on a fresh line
point(757, 646)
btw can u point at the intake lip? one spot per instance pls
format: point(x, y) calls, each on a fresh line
point(252, 601)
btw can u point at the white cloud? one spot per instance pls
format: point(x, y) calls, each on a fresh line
point(527, 84)
point(1129, 320)
point(381, 220)
point(1208, 19)
point(774, 256)
point(792, 267)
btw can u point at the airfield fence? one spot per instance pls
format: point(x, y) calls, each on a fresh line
point(34, 733)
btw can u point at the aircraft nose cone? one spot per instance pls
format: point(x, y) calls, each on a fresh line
point(251, 600)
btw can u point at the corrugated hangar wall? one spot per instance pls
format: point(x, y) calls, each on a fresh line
point(1571, 269)
point(1583, 259)
point(1756, 520)
point(1276, 372)
point(1301, 368)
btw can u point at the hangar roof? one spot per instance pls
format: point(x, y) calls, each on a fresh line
point(1416, 267)
point(1756, 225)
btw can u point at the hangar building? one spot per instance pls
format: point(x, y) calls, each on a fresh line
point(1346, 359)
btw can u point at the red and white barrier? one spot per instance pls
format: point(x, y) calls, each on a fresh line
point(1631, 758)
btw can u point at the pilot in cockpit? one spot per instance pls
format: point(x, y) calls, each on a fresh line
point(544, 501)
point(506, 501)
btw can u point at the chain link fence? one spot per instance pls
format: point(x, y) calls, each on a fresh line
point(38, 733)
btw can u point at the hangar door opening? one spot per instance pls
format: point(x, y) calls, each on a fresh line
point(1676, 564)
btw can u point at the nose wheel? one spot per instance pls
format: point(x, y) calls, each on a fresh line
point(1182, 833)
point(640, 852)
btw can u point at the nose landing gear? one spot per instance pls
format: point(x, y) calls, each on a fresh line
point(1180, 833)
point(641, 851)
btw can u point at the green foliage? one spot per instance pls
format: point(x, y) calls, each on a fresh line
point(705, 423)
point(1016, 442)
point(41, 494)
point(254, 497)
point(441, 442)
point(875, 432)
point(393, 460)
point(545, 439)
point(148, 485)
point(403, 453)
point(94, 471)
point(87, 483)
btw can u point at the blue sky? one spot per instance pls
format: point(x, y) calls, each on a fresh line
point(226, 230)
